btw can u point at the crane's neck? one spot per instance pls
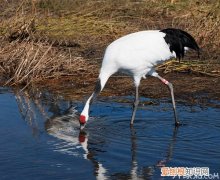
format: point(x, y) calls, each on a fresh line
point(84, 116)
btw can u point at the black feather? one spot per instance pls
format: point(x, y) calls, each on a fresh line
point(97, 90)
point(178, 39)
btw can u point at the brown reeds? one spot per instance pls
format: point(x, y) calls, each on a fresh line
point(51, 39)
point(192, 66)
point(28, 61)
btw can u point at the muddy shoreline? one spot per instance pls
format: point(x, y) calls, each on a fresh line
point(188, 88)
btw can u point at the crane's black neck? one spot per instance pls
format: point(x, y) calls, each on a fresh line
point(97, 90)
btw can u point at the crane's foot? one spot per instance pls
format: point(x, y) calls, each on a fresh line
point(132, 121)
point(177, 124)
point(131, 125)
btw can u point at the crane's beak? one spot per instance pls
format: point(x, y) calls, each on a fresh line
point(82, 126)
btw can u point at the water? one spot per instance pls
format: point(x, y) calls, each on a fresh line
point(40, 138)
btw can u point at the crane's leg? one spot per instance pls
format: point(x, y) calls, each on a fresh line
point(135, 105)
point(137, 80)
point(177, 123)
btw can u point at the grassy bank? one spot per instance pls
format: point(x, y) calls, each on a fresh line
point(54, 38)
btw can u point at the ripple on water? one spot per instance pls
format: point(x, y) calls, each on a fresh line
point(108, 147)
point(153, 131)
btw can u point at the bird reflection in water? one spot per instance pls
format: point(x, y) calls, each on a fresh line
point(63, 125)
point(148, 171)
point(66, 127)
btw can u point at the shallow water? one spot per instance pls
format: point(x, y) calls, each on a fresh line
point(40, 138)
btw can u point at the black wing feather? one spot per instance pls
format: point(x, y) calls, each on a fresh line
point(178, 39)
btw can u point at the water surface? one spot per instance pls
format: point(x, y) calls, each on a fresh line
point(40, 137)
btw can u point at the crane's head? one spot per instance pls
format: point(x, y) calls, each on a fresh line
point(82, 120)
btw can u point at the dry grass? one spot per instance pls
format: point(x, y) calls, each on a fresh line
point(55, 38)
point(193, 67)
point(28, 61)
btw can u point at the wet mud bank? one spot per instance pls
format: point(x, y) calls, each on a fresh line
point(188, 88)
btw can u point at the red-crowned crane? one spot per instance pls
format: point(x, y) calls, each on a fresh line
point(137, 54)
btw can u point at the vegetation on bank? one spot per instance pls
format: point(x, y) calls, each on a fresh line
point(55, 38)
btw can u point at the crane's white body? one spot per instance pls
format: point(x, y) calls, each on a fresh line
point(137, 54)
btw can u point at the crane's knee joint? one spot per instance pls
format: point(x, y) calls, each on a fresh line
point(170, 85)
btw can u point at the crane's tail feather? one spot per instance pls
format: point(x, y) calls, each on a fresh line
point(178, 40)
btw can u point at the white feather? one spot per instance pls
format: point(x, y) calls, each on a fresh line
point(136, 53)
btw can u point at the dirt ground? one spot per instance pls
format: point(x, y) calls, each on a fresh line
point(188, 88)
